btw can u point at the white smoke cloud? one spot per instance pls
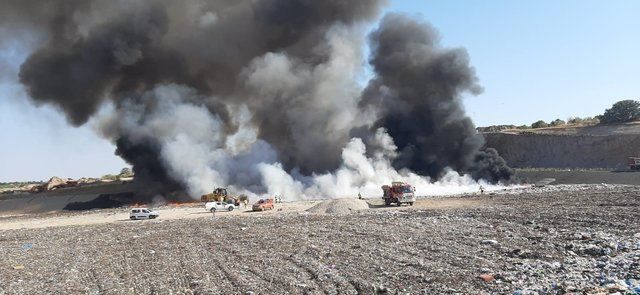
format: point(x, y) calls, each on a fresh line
point(360, 174)
point(193, 145)
point(207, 19)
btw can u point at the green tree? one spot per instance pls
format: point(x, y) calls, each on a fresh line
point(125, 172)
point(592, 120)
point(557, 122)
point(622, 111)
point(539, 124)
point(109, 177)
point(575, 120)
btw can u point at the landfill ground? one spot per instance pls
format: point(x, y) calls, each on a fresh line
point(580, 239)
point(584, 176)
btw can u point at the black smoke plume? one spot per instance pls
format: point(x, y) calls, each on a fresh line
point(417, 88)
point(208, 89)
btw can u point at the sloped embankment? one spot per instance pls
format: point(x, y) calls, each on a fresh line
point(533, 150)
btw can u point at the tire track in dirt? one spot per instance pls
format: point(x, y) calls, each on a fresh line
point(327, 277)
point(273, 277)
point(310, 277)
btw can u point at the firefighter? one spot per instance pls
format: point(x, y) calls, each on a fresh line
point(481, 190)
point(359, 196)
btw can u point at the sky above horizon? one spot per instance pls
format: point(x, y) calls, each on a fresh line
point(535, 59)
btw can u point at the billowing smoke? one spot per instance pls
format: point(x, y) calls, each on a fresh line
point(416, 91)
point(263, 96)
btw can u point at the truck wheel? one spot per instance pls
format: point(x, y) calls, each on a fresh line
point(230, 208)
point(399, 203)
point(213, 210)
point(132, 217)
point(410, 203)
point(387, 202)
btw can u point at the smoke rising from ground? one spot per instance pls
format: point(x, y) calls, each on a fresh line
point(262, 96)
point(417, 91)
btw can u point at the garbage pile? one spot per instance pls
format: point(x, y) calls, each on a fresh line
point(339, 206)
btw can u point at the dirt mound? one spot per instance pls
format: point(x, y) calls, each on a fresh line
point(53, 184)
point(339, 206)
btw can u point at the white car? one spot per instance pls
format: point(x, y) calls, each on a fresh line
point(218, 206)
point(142, 213)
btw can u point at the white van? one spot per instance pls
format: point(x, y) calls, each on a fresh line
point(142, 213)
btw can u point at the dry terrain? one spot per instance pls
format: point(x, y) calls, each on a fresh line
point(573, 147)
point(558, 239)
point(580, 176)
point(601, 129)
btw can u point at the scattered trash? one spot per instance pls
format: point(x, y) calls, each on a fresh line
point(382, 289)
point(562, 262)
point(489, 242)
point(486, 277)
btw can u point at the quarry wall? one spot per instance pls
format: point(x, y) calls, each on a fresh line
point(565, 151)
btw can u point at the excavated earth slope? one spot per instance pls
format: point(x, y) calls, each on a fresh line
point(586, 147)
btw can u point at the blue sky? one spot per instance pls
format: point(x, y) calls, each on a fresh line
point(541, 59)
point(535, 59)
